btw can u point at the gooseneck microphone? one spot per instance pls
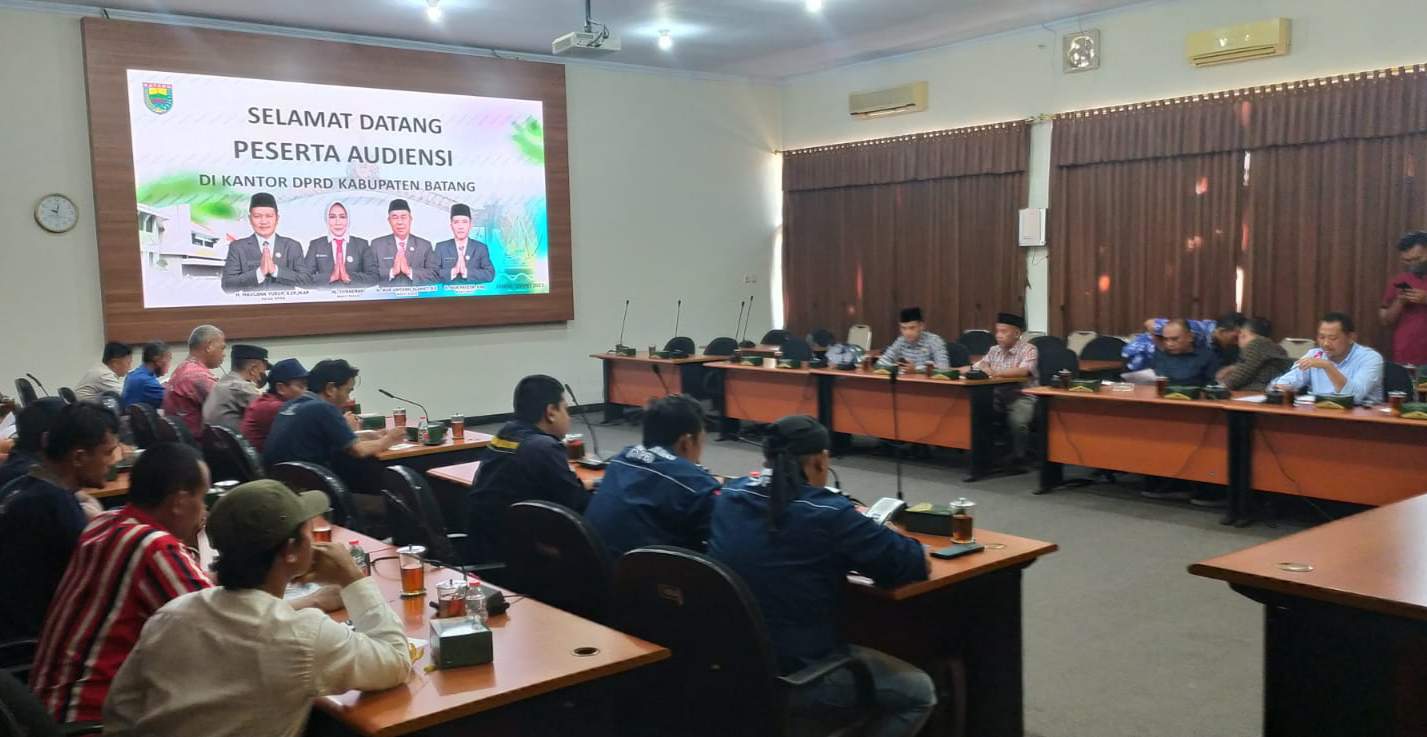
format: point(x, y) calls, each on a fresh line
point(744, 342)
point(896, 430)
point(389, 395)
point(35, 379)
point(678, 312)
point(620, 345)
point(738, 325)
point(594, 439)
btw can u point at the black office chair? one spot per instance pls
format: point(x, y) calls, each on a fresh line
point(304, 476)
point(957, 355)
point(417, 516)
point(775, 337)
point(111, 402)
point(143, 422)
point(797, 349)
point(68, 395)
point(1044, 343)
point(977, 342)
point(229, 455)
point(553, 554)
point(682, 344)
point(721, 347)
point(723, 677)
point(1396, 378)
point(25, 392)
point(821, 338)
point(1103, 348)
point(1054, 360)
point(170, 430)
point(17, 657)
point(23, 715)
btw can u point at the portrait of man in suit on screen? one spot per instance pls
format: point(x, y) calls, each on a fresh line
point(403, 259)
point(463, 259)
point(340, 259)
point(264, 259)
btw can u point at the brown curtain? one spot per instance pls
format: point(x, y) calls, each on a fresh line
point(1331, 184)
point(1136, 239)
point(1320, 224)
point(927, 220)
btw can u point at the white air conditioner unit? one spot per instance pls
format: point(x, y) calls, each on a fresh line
point(1257, 40)
point(909, 98)
point(1032, 227)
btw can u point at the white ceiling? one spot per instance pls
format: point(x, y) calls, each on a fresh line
point(754, 38)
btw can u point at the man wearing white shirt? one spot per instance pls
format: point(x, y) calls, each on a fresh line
point(1340, 365)
point(463, 259)
point(238, 659)
point(264, 260)
point(403, 259)
point(107, 375)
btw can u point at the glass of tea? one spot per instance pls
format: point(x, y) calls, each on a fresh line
point(413, 570)
point(450, 599)
point(458, 428)
point(963, 528)
point(1395, 400)
point(398, 417)
point(321, 530)
point(1161, 385)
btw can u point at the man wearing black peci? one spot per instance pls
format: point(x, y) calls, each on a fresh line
point(461, 258)
point(264, 259)
point(403, 259)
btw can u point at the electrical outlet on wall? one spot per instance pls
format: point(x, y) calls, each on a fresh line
point(750, 279)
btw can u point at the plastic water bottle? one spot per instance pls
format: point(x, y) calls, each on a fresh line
point(360, 557)
point(423, 431)
point(476, 603)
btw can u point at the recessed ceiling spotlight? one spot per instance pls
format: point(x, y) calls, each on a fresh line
point(814, 6)
point(666, 40)
point(433, 10)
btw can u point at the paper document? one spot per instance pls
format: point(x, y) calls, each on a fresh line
point(1143, 376)
point(1252, 399)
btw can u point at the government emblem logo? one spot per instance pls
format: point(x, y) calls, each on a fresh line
point(158, 97)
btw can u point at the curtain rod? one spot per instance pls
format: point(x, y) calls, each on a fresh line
point(1246, 91)
point(907, 137)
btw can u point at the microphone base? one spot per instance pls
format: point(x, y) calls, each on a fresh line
point(623, 350)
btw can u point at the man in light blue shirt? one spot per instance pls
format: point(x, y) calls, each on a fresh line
point(1339, 365)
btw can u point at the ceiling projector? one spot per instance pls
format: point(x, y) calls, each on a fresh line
point(587, 44)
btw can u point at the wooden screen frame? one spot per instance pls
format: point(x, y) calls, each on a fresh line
point(111, 48)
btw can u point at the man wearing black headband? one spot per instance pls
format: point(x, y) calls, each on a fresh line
point(1012, 359)
point(463, 259)
point(403, 259)
point(794, 541)
point(917, 346)
point(264, 260)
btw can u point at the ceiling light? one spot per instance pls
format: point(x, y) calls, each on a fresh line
point(666, 40)
point(433, 10)
point(814, 6)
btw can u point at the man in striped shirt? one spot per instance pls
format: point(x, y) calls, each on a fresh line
point(916, 346)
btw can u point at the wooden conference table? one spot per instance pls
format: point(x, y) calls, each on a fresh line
point(534, 648)
point(631, 381)
point(968, 609)
point(1346, 642)
point(914, 409)
point(1362, 455)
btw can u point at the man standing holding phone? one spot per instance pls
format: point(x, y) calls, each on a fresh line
point(1404, 302)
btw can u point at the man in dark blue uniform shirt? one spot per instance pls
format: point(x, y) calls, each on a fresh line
point(655, 493)
point(313, 428)
point(1181, 360)
point(142, 384)
point(525, 460)
point(44, 512)
point(794, 541)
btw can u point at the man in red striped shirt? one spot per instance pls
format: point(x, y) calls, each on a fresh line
point(129, 562)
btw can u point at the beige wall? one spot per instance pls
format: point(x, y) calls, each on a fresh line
point(1018, 75)
point(673, 196)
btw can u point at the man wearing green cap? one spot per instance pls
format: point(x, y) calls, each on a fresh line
point(794, 541)
point(238, 659)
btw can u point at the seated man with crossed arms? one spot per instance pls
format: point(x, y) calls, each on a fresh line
point(1340, 365)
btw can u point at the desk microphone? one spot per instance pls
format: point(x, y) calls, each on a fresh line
point(896, 429)
point(38, 384)
point(739, 324)
point(678, 312)
point(389, 395)
point(620, 347)
point(743, 342)
point(594, 439)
